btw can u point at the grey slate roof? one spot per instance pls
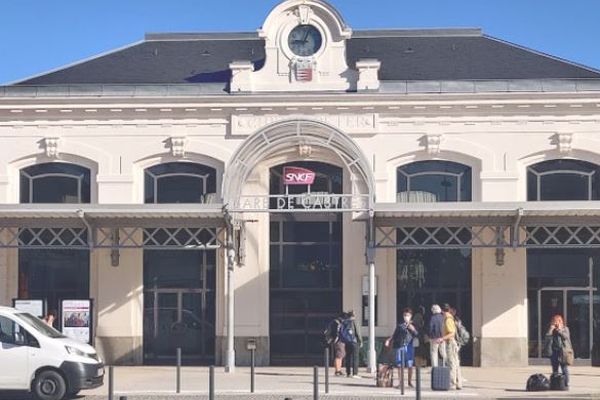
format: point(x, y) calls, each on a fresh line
point(406, 55)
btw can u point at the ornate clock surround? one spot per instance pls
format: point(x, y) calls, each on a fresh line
point(283, 70)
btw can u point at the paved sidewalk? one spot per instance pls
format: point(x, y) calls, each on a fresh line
point(296, 383)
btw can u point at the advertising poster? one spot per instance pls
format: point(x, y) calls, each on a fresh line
point(76, 319)
point(34, 307)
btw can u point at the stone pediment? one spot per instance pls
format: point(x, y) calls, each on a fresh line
point(305, 47)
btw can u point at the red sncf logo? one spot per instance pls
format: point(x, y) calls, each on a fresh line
point(298, 176)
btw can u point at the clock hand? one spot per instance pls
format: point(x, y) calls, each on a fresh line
point(306, 35)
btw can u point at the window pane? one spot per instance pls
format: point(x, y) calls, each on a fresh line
point(173, 269)
point(564, 186)
point(532, 181)
point(434, 181)
point(56, 183)
point(306, 232)
point(180, 189)
point(54, 275)
point(442, 188)
point(55, 190)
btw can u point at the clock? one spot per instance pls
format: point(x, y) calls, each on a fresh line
point(305, 40)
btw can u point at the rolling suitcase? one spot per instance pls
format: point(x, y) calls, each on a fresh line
point(440, 378)
point(558, 382)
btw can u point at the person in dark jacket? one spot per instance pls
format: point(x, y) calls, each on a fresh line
point(402, 340)
point(562, 349)
point(436, 333)
point(350, 335)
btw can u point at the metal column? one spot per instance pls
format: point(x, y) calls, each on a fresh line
point(372, 282)
point(230, 260)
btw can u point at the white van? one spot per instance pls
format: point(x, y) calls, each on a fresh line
point(37, 358)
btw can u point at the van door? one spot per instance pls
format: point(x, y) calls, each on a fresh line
point(14, 355)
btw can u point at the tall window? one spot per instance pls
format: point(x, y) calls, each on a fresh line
point(426, 277)
point(433, 181)
point(180, 183)
point(305, 269)
point(562, 180)
point(55, 183)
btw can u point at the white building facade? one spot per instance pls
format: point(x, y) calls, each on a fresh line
point(445, 167)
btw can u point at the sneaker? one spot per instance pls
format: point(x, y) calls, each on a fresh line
point(339, 373)
point(356, 377)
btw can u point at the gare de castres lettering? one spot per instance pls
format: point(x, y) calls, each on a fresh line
point(308, 201)
point(303, 202)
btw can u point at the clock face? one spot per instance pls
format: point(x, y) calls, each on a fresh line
point(305, 40)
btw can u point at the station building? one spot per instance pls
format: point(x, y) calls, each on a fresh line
point(220, 191)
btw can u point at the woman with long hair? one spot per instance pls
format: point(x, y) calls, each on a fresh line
point(559, 347)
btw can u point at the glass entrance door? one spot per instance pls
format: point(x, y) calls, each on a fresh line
point(179, 307)
point(576, 307)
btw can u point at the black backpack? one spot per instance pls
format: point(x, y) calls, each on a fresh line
point(537, 383)
point(331, 333)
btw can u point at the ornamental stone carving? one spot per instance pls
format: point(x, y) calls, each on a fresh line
point(178, 144)
point(564, 142)
point(433, 144)
point(51, 147)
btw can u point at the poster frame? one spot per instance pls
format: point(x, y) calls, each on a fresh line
point(44, 306)
point(91, 318)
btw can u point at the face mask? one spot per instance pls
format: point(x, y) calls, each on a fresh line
point(407, 318)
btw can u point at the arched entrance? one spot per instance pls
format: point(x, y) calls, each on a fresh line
point(301, 177)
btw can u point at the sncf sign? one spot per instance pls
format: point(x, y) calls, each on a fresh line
point(298, 176)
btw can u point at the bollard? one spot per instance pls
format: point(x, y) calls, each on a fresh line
point(178, 370)
point(211, 383)
point(252, 370)
point(402, 372)
point(327, 370)
point(111, 386)
point(316, 383)
point(418, 388)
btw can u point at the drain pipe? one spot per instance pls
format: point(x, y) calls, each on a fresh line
point(81, 214)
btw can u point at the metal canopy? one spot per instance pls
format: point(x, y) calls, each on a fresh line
point(488, 225)
point(84, 227)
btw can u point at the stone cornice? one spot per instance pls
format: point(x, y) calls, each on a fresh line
point(499, 105)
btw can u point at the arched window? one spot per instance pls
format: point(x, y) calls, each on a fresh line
point(557, 180)
point(55, 183)
point(433, 181)
point(180, 182)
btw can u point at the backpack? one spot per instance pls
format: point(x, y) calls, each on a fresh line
point(462, 335)
point(332, 332)
point(537, 383)
point(402, 337)
point(347, 332)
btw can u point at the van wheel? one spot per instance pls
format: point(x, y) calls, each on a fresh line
point(49, 385)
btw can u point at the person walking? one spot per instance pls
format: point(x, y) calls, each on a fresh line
point(452, 350)
point(437, 347)
point(418, 321)
point(559, 339)
point(332, 339)
point(402, 340)
point(350, 336)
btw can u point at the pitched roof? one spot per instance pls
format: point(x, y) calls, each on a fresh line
point(449, 54)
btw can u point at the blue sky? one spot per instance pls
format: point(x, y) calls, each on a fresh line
point(40, 35)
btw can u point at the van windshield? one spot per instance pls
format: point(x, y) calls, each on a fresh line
point(40, 326)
